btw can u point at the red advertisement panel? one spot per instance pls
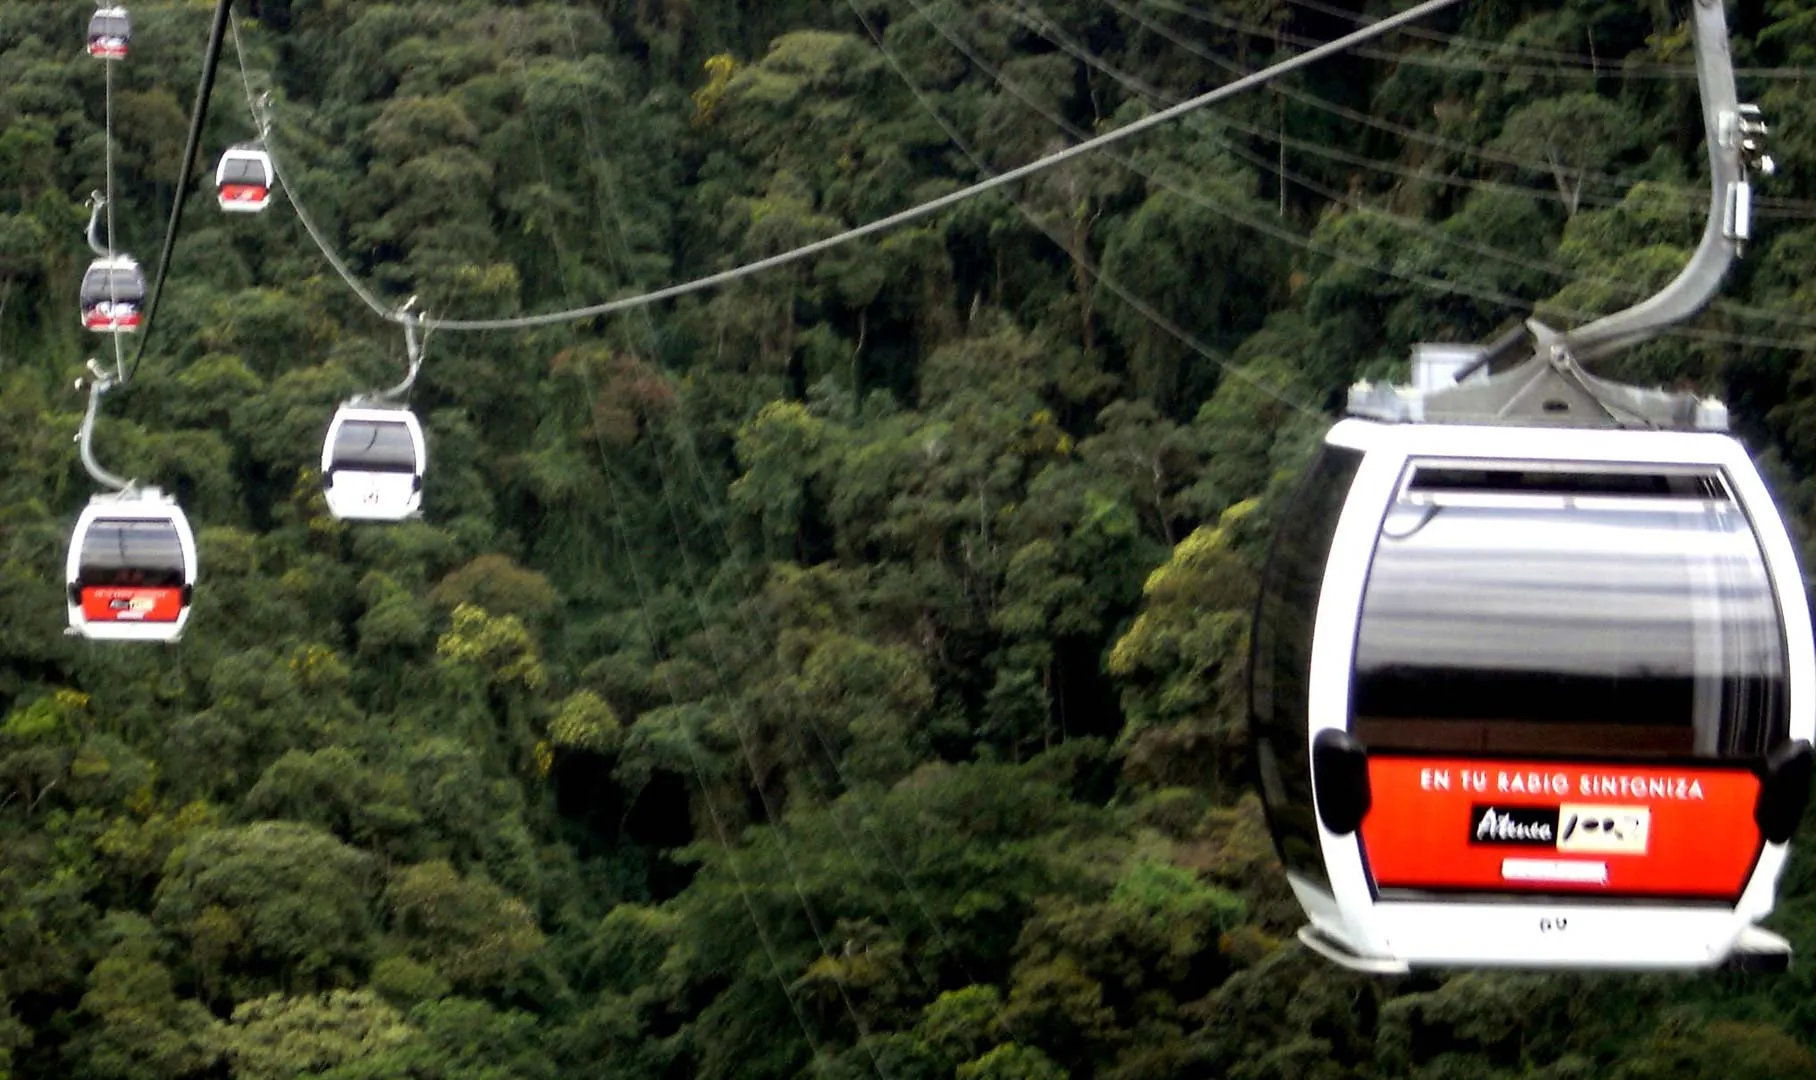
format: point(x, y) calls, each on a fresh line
point(126, 603)
point(1560, 827)
point(122, 318)
point(252, 193)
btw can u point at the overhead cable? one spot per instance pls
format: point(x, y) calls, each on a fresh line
point(210, 59)
point(1292, 238)
point(1604, 69)
point(1141, 307)
point(913, 213)
point(1556, 56)
point(1045, 26)
point(262, 117)
point(1324, 105)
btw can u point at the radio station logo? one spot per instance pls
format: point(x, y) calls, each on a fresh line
point(1613, 830)
point(1532, 826)
point(1571, 827)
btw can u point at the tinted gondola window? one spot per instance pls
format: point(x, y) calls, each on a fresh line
point(127, 286)
point(243, 170)
point(1280, 664)
point(375, 446)
point(109, 26)
point(127, 551)
point(1628, 618)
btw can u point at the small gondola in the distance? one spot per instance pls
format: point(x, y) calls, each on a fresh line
point(373, 461)
point(132, 568)
point(243, 180)
point(1533, 681)
point(113, 295)
point(109, 33)
point(374, 456)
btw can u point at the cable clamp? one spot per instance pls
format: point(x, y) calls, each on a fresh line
point(1744, 129)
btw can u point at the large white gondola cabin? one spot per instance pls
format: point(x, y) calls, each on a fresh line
point(1533, 680)
point(109, 33)
point(373, 461)
point(243, 180)
point(1534, 696)
point(131, 570)
point(113, 295)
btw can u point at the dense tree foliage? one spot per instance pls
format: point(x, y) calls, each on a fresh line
point(837, 673)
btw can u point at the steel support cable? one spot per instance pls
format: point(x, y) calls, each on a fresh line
point(107, 182)
point(921, 210)
point(1246, 80)
point(1389, 126)
point(371, 300)
point(1377, 165)
point(1765, 206)
point(101, 383)
point(1048, 29)
point(1694, 207)
point(262, 120)
point(1783, 207)
point(1287, 236)
point(1614, 69)
point(1713, 336)
point(1392, 128)
point(1560, 56)
point(216, 34)
point(252, 99)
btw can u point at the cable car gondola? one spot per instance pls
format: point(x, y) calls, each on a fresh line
point(1548, 693)
point(132, 568)
point(113, 295)
point(373, 462)
point(109, 33)
point(243, 180)
point(1533, 681)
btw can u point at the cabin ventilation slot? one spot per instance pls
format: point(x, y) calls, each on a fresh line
point(1524, 480)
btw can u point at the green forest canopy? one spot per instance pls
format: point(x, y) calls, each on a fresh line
point(838, 673)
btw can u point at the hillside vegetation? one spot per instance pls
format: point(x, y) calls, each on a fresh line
point(835, 674)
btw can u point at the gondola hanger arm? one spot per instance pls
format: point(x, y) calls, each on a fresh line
point(97, 202)
point(412, 322)
point(1552, 387)
point(99, 384)
point(1734, 134)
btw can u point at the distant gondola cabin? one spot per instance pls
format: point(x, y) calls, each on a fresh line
point(373, 461)
point(113, 295)
point(243, 180)
point(109, 33)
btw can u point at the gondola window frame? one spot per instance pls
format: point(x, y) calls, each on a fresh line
point(355, 461)
point(1540, 510)
point(1278, 720)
